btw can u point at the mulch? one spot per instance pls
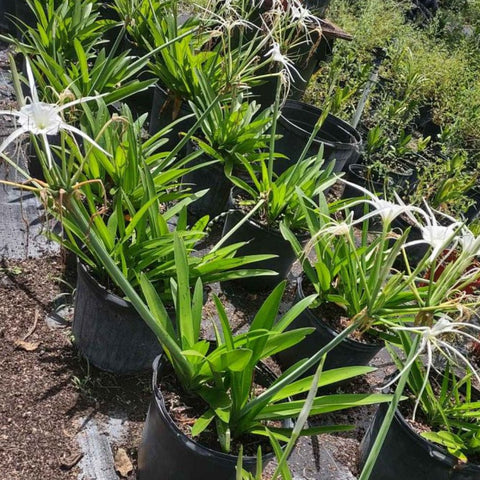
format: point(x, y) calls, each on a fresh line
point(47, 390)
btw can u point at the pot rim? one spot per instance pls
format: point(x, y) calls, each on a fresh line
point(99, 289)
point(355, 168)
point(316, 321)
point(160, 362)
point(338, 123)
point(434, 450)
point(302, 236)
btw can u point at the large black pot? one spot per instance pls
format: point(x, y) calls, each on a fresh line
point(167, 454)
point(164, 112)
point(211, 177)
point(318, 7)
point(347, 353)
point(406, 455)
point(108, 331)
point(7, 10)
point(24, 15)
point(261, 241)
point(473, 211)
point(341, 142)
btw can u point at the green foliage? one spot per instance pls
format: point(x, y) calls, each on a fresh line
point(429, 73)
point(449, 404)
point(223, 376)
point(233, 131)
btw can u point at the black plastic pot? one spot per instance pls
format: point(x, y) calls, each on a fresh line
point(167, 454)
point(24, 15)
point(473, 211)
point(212, 177)
point(165, 110)
point(406, 455)
point(357, 174)
point(261, 241)
point(347, 353)
point(108, 331)
point(341, 142)
point(318, 7)
point(7, 10)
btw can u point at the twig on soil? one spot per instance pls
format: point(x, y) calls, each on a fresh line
point(34, 327)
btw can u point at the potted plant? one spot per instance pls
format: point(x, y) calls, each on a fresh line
point(223, 376)
point(301, 124)
point(66, 50)
point(357, 272)
point(260, 203)
point(231, 134)
point(438, 428)
point(354, 279)
point(125, 195)
point(439, 318)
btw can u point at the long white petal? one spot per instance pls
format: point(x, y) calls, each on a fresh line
point(12, 137)
point(425, 380)
point(462, 357)
point(408, 364)
point(72, 129)
point(31, 81)
point(358, 187)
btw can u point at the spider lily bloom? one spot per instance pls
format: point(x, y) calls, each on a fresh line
point(40, 118)
point(304, 18)
point(436, 235)
point(469, 243)
point(431, 339)
point(275, 55)
point(387, 210)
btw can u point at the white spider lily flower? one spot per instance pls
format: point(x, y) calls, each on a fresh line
point(40, 118)
point(276, 56)
point(386, 209)
point(438, 236)
point(469, 243)
point(333, 228)
point(431, 338)
point(304, 18)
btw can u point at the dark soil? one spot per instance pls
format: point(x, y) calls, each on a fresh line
point(334, 316)
point(185, 409)
point(46, 389)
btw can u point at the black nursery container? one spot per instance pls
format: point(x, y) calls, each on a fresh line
point(167, 454)
point(24, 15)
point(211, 177)
point(165, 110)
point(348, 353)
point(7, 9)
point(406, 455)
point(108, 331)
point(261, 241)
point(341, 142)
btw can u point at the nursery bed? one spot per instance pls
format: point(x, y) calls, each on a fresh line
point(60, 418)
